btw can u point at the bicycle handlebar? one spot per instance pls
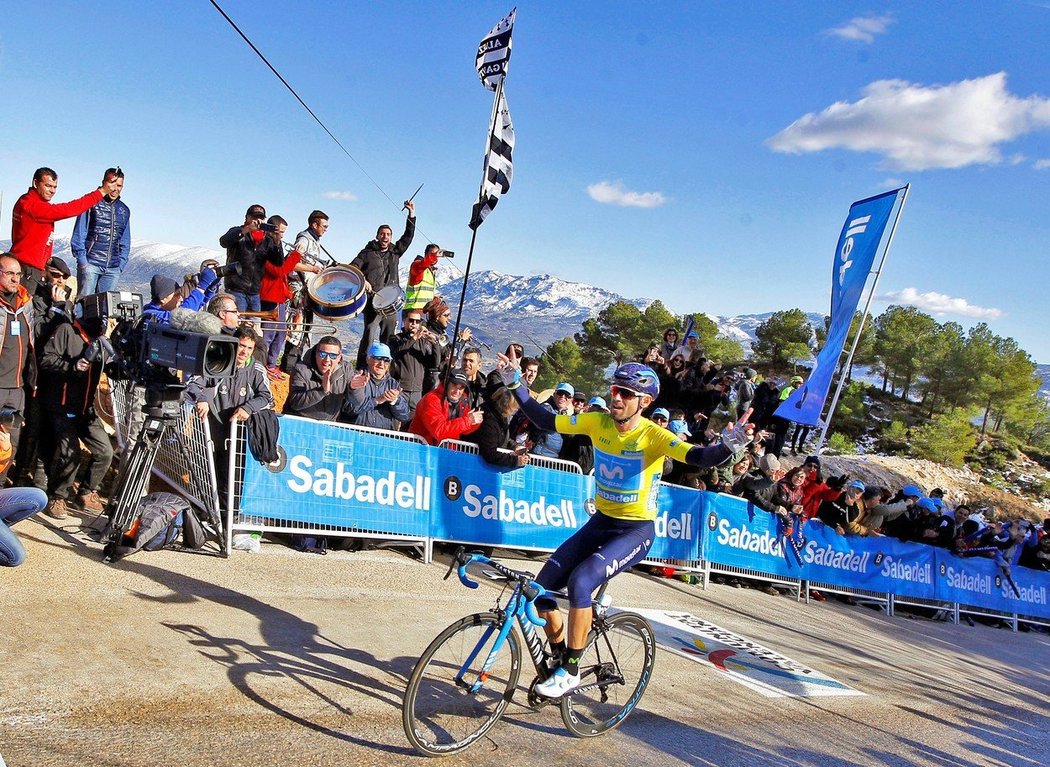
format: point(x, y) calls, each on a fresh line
point(530, 589)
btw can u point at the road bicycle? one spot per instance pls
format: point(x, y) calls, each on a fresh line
point(467, 677)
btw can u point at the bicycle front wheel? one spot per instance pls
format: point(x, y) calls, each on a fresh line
point(618, 660)
point(451, 701)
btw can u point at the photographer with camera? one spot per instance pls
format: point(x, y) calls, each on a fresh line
point(249, 246)
point(73, 359)
point(165, 296)
point(422, 277)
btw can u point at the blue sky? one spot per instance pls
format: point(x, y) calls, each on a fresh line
point(704, 154)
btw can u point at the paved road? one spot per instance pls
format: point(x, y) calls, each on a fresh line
point(287, 658)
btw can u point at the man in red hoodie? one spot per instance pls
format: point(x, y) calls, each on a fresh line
point(443, 413)
point(33, 221)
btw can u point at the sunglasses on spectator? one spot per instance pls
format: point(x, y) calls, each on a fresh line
point(622, 393)
point(384, 360)
point(659, 418)
point(328, 355)
point(412, 320)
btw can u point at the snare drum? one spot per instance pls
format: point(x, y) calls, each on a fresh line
point(388, 301)
point(337, 293)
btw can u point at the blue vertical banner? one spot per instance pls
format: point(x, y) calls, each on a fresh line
point(858, 243)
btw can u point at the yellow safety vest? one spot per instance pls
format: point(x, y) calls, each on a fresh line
point(417, 296)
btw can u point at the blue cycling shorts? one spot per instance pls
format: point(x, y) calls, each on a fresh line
point(594, 554)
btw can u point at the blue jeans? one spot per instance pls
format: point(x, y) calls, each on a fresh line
point(95, 279)
point(245, 302)
point(273, 340)
point(17, 503)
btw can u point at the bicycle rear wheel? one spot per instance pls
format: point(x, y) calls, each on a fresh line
point(440, 714)
point(619, 657)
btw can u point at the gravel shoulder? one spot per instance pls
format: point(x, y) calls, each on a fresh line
point(282, 657)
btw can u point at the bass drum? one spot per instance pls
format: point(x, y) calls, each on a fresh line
point(337, 293)
point(388, 301)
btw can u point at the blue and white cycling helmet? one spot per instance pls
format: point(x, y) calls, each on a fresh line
point(638, 378)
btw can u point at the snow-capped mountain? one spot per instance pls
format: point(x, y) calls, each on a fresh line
point(499, 308)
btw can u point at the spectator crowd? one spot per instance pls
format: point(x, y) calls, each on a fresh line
point(416, 378)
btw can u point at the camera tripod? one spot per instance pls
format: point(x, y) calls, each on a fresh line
point(161, 410)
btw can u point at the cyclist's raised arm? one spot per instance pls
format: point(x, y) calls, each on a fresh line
point(533, 410)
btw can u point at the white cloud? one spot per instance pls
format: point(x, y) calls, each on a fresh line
point(891, 183)
point(345, 196)
point(939, 303)
point(916, 127)
point(613, 193)
point(1042, 164)
point(862, 29)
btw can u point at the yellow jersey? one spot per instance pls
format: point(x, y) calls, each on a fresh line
point(628, 465)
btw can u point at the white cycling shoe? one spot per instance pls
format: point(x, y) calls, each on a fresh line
point(558, 684)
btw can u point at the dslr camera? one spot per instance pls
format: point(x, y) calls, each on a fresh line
point(265, 227)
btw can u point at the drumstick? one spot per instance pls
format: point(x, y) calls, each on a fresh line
point(405, 206)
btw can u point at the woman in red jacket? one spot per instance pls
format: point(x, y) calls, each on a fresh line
point(274, 293)
point(442, 414)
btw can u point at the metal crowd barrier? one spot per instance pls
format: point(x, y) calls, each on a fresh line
point(558, 464)
point(186, 462)
point(272, 523)
point(186, 459)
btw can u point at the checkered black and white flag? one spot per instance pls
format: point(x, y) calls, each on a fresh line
point(494, 53)
point(498, 165)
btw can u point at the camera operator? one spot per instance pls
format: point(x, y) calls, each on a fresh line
point(249, 246)
point(235, 398)
point(165, 296)
point(191, 281)
point(73, 359)
point(17, 360)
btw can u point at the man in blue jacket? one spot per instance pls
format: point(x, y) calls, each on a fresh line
point(101, 239)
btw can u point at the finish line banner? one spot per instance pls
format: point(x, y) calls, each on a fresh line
point(854, 255)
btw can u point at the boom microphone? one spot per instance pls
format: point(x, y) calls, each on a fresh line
point(196, 322)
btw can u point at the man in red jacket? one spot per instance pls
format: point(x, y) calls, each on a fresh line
point(33, 221)
point(443, 413)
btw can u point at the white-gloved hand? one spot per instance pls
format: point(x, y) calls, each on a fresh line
point(737, 437)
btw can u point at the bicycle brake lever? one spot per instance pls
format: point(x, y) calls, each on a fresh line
point(532, 592)
point(453, 562)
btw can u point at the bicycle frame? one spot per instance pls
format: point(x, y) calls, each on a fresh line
point(520, 609)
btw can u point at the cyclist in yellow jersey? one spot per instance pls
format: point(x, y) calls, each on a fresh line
point(628, 461)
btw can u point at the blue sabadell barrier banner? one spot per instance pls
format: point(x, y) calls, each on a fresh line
point(333, 475)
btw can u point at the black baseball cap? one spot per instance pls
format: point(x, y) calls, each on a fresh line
point(255, 211)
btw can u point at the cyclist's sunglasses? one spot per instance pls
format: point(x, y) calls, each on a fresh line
point(622, 393)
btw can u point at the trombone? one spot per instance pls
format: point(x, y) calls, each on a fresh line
point(268, 321)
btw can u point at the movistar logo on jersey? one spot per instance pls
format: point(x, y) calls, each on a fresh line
point(388, 490)
point(506, 508)
point(618, 473)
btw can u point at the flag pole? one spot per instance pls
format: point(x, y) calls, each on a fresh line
point(860, 326)
point(474, 233)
